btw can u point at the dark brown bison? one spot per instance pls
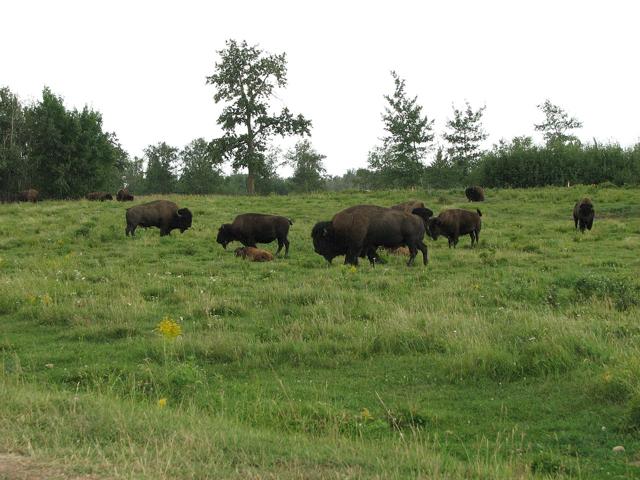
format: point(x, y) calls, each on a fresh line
point(455, 222)
point(583, 214)
point(359, 230)
point(474, 194)
point(124, 195)
point(160, 213)
point(30, 195)
point(252, 228)
point(254, 254)
point(102, 196)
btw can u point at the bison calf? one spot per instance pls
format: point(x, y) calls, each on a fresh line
point(474, 194)
point(583, 214)
point(252, 228)
point(160, 213)
point(254, 254)
point(455, 222)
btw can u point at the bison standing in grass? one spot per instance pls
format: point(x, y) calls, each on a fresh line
point(583, 214)
point(359, 230)
point(252, 228)
point(474, 194)
point(455, 222)
point(160, 213)
point(409, 206)
point(102, 196)
point(124, 195)
point(30, 195)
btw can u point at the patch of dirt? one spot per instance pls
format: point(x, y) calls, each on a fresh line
point(18, 467)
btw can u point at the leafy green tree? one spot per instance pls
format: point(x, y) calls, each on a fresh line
point(14, 169)
point(162, 161)
point(201, 171)
point(464, 138)
point(132, 175)
point(69, 153)
point(557, 124)
point(308, 171)
point(245, 79)
point(399, 161)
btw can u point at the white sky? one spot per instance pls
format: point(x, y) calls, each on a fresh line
point(143, 64)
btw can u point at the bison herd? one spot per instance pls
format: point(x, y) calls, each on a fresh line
point(355, 232)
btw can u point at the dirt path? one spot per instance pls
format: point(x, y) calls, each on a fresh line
point(18, 467)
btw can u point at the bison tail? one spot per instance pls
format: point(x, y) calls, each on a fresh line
point(479, 212)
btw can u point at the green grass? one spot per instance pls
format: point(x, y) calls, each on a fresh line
point(516, 359)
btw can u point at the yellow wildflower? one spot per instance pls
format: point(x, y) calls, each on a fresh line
point(169, 328)
point(46, 299)
point(32, 299)
point(366, 415)
point(162, 402)
point(353, 269)
point(607, 377)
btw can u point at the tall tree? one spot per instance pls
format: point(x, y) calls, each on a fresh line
point(464, 137)
point(556, 124)
point(14, 171)
point(308, 171)
point(162, 160)
point(201, 167)
point(245, 79)
point(409, 133)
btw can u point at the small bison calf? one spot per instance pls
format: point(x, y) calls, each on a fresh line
point(583, 214)
point(254, 254)
point(455, 222)
point(102, 196)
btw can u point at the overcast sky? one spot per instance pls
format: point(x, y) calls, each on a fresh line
point(143, 64)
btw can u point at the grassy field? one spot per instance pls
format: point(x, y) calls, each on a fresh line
point(516, 359)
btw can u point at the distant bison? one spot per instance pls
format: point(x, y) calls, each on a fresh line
point(124, 195)
point(455, 222)
point(583, 214)
point(359, 230)
point(30, 195)
point(160, 213)
point(254, 254)
point(102, 196)
point(252, 228)
point(474, 194)
point(409, 206)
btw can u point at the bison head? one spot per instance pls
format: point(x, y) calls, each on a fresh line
point(184, 219)
point(423, 213)
point(224, 235)
point(434, 228)
point(324, 241)
point(586, 209)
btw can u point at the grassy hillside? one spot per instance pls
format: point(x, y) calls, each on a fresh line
point(517, 359)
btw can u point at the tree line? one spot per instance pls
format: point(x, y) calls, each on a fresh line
point(65, 153)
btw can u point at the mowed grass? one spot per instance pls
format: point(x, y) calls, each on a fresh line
point(516, 359)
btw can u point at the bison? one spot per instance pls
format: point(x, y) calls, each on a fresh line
point(30, 195)
point(252, 228)
point(359, 230)
point(583, 214)
point(102, 196)
point(254, 254)
point(455, 222)
point(409, 206)
point(124, 195)
point(160, 213)
point(474, 194)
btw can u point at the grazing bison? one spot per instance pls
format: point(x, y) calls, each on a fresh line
point(474, 194)
point(359, 230)
point(160, 213)
point(30, 195)
point(124, 195)
point(254, 254)
point(252, 228)
point(455, 222)
point(409, 206)
point(102, 196)
point(583, 214)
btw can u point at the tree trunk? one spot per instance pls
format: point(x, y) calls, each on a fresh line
point(251, 183)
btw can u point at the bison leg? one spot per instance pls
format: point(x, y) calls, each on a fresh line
point(280, 245)
point(450, 240)
point(575, 220)
point(352, 256)
point(413, 252)
point(286, 247)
